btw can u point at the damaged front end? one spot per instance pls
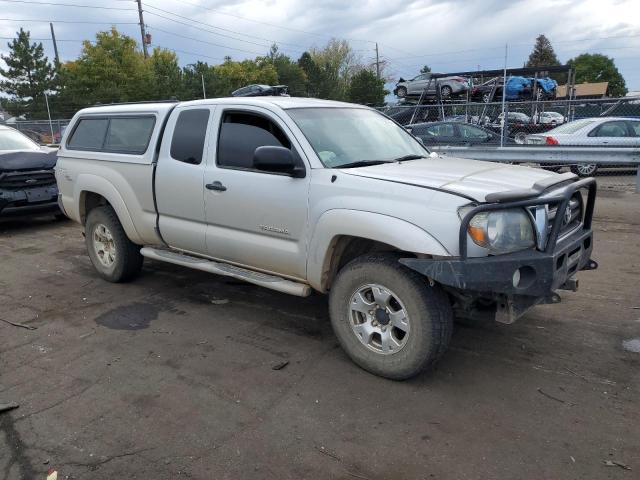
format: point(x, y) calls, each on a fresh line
point(505, 286)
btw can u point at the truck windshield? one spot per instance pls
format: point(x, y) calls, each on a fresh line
point(347, 136)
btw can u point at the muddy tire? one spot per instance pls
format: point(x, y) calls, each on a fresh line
point(387, 318)
point(114, 256)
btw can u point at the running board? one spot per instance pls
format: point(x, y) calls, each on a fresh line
point(262, 279)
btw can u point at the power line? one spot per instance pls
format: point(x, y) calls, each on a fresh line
point(203, 41)
point(76, 5)
point(65, 21)
point(216, 27)
point(269, 24)
point(175, 50)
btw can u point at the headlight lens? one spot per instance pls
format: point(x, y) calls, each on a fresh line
point(501, 231)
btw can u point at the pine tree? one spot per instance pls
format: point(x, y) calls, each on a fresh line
point(27, 76)
point(542, 54)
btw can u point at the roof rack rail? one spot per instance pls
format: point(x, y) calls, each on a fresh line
point(172, 100)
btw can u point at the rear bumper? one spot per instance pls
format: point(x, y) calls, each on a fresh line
point(532, 273)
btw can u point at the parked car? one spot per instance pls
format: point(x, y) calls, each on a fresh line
point(549, 118)
point(454, 133)
point(518, 126)
point(518, 88)
point(299, 194)
point(449, 86)
point(261, 91)
point(599, 131)
point(27, 181)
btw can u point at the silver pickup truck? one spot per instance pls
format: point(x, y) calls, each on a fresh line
point(298, 195)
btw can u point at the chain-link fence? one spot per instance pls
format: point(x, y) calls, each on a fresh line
point(41, 131)
point(591, 123)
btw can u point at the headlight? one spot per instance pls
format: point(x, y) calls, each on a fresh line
point(501, 231)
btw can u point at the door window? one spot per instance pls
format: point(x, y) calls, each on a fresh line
point(635, 128)
point(472, 133)
point(441, 130)
point(241, 133)
point(612, 129)
point(187, 143)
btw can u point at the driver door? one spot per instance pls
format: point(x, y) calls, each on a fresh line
point(255, 218)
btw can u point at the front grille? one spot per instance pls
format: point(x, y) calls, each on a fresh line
point(22, 180)
point(570, 221)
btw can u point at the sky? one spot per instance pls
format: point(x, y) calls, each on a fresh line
point(447, 35)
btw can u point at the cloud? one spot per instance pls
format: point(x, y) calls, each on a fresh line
point(448, 35)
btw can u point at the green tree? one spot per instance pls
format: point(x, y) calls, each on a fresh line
point(366, 88)
point(289, 72)
point(167, 76)
point(425, 69)
point(27, 76)
point(192, 77)
point(336, 63)
point(542, 54)
point(312, 74)
point(595, 67)
point(112, 70)
point(232, 75)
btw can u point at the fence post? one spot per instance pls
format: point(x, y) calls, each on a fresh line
point(638, 179)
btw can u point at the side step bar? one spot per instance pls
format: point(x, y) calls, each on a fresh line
point(262, 279)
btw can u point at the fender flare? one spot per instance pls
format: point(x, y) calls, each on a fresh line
point(393, 231)
point(88, 183)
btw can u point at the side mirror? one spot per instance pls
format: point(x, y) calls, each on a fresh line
point(276, 160)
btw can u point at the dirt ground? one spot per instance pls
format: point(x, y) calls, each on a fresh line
point(173, 376)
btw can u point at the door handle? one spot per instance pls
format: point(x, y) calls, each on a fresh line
point(217, 186)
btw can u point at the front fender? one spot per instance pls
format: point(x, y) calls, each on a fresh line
point(393, 231)
point(92, 183)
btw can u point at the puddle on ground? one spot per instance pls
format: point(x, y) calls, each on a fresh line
point(631, 345)
point(136, 316)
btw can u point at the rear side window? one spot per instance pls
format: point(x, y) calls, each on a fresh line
point(189, 136)
point(129, 135)
point(612, 129)
point(113, 134)
point(89, 134)
point(242, 133)
point(636, 128)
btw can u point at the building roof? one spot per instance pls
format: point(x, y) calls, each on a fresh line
point(598, 89)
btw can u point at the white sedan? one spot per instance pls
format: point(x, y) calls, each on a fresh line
point(591, 132)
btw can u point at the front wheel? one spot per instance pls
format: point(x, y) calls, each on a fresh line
point(387, 318)
point(585, 169)
point(445, 92)
point(114, 256)
point(401, 92)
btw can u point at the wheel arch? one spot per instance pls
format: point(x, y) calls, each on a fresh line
point(93, 191)
point(342, 235)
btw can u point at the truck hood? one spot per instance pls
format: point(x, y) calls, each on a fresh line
point(469, 178)
point(14, 160)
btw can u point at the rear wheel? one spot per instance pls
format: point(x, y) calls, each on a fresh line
point(114, 256)
point(387, 318)
point(585, 169)
point(520, 137)
point(486, 97)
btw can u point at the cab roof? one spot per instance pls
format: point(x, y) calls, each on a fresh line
point(268, 101)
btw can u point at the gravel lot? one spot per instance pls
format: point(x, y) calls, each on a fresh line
point(173, 376)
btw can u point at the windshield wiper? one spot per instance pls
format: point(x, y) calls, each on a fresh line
point(362, 163)
point(408, 157)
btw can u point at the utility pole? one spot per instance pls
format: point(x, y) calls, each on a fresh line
point(142, 32)
point(377, 62)
point(204, 92)
point(505, 120)
point(55, 45)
